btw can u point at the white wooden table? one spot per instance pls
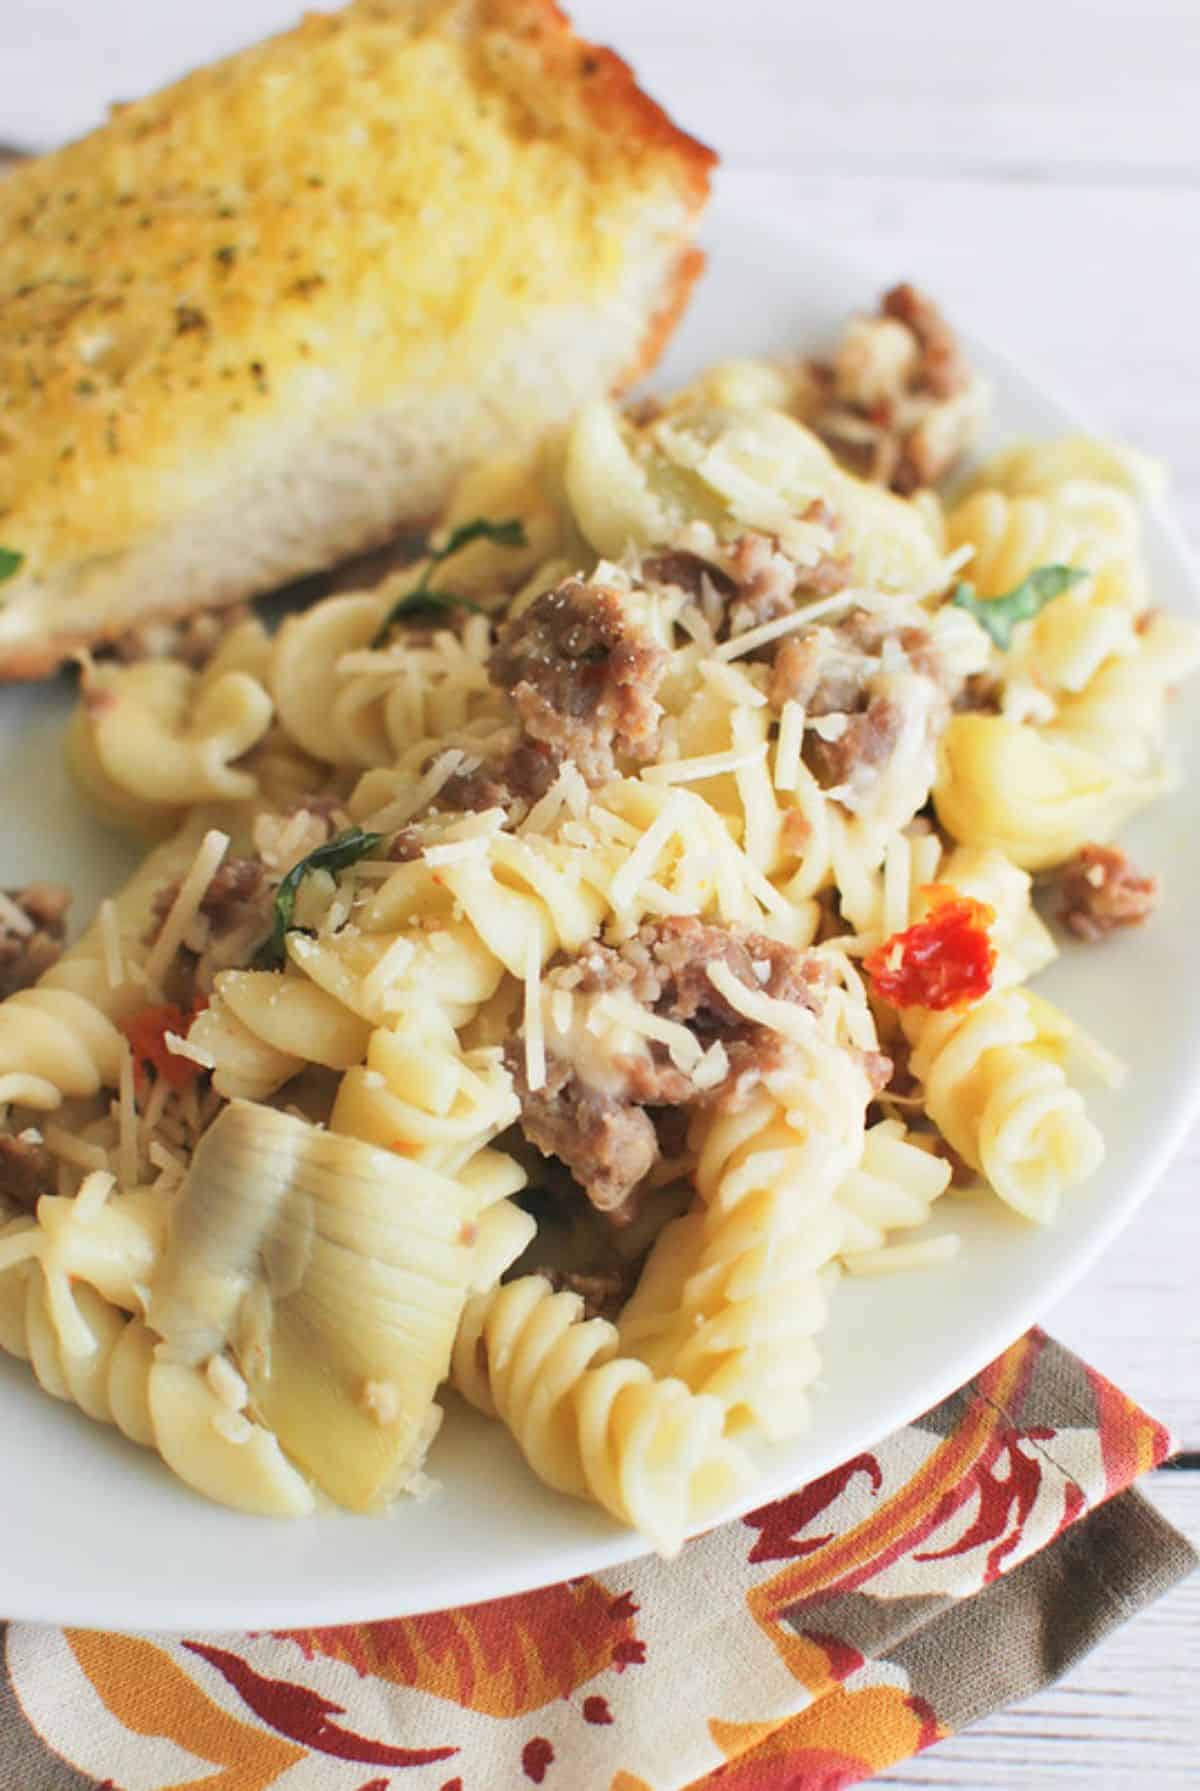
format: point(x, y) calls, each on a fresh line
point(1037, 165)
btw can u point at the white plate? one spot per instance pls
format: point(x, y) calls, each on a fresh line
point(96, 1532)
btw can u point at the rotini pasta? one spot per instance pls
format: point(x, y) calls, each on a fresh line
point(995, 1086)
point(71, 1305)
point(590, 1422)
point(150, 740)
point(732, 1295)
point(585, 948)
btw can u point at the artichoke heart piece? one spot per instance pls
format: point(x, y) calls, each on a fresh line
point(335, 1273)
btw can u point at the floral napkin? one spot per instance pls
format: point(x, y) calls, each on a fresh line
point(965, 1562)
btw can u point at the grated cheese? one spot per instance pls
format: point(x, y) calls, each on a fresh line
point(697, 627)
point(380, 980)
point(568, 791)
point(788, 747)
point(683, 1048)
point(730, 682)
point(742, 644)
point(80, 1151)
point(713, 1066)
point(164, 1159)
point(714, 764)
point(13, 917)
point(456, 851)
point(562, 1010)
point(644, 857)
point(422, 793)
point(829, 727)
point(182, 1047)
point(185, 907)
point(155, 1106)
point(535, 1037)
point(127, 1121)
point(784, 1017)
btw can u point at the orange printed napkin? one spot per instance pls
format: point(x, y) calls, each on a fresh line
point(966, 1561)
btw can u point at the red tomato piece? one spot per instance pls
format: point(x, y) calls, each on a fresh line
point(941, 962)
point(147, 1034)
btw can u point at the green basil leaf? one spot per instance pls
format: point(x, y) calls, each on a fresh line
point(510, 533)
point(426, 598)
point(11, 562)
point(335, 855)
point(998, 616)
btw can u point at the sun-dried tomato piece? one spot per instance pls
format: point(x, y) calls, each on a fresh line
point(940, 962)
point(147, 1034)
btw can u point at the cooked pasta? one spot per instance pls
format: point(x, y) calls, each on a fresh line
point(152, 739)
point(997, 1091)
point(591, 1422)
point(732, 1294)
point(71, 1306)
point(572, 956)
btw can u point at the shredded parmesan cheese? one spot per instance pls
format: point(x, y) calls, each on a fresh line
point(741, 644)
point(787, 1018)
point(714, 764)
point(535, 1037)
point(683, 1048)
point(713, 1066)
point(420, 795)
point(829, 727)
point(789, 745)
point(568, 791)
point(697, 627)
point(731, 683)
point(644, 857)
point(380, 980)
point(183, 1047)
point(14, 918)
point(127, 1121)
point(80, 1151)
point(110, 944)
point(166, 1160)
point(184, 908)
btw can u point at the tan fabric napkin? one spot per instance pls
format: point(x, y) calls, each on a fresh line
point(967, 1561)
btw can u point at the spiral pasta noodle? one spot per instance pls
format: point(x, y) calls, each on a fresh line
point(731, 1297)
point(590, 1422)
point(149, 740)
point(418, 1093)
point(70, 1305)
point(1033, 794)
point(1078, 523)
point(892, 1189)
point(348, 702)
point(996, 1089)
point(262, 1026)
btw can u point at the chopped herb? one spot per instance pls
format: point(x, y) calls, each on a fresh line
point(424, 596)
point(11, 562)
point(998, 616)
point(335, 855)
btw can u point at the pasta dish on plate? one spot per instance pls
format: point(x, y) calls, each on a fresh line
point(558, 964)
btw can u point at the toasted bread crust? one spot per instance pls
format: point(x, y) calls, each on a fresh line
point(608, 87)
point(276, 247)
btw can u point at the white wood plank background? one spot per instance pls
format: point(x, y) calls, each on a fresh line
point(1037, 164)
